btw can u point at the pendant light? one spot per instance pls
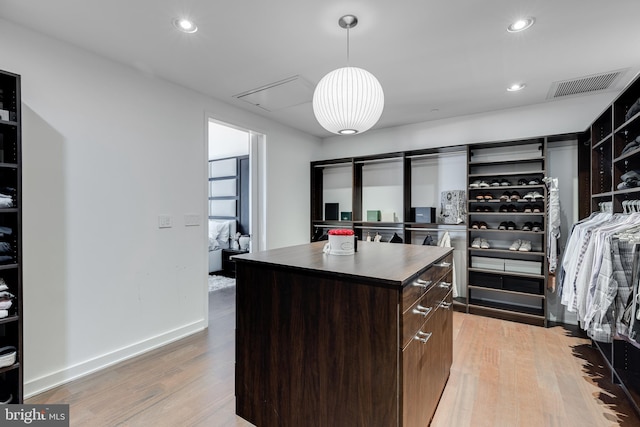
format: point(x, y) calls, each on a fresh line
point(348, 100)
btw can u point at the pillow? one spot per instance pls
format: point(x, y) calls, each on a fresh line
point(223, 231)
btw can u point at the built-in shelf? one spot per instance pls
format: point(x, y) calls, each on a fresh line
point(506, 291)
point(506, 252)
point(602, 141)
point(507, 308)
point(507, 273)
point(503, 174)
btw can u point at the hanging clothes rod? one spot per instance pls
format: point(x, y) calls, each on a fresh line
point(454, 230)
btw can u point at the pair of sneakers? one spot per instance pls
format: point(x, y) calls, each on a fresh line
point(479, 243)
point(521, 245)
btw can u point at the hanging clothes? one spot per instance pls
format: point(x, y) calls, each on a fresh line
point(445, 242)
point(553, 227)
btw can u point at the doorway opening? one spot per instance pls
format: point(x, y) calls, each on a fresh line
point(233, 202)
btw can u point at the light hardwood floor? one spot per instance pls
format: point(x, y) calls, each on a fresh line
point(503, 374)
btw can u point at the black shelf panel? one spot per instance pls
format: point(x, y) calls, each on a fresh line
point(627, 191)
point(507, 213)
point(508, 162)
point(605, 194)
point(8, 266)
point(9, 123)
point(8, 166)
point(10, 368)
point(494, 174)
point(627, 155)
point(507, 273)
point(508, 187)
point(505, 252)
point(9, 319)
point(508, 308)
point(494, 230)
point(602, 141)
point(506, 291)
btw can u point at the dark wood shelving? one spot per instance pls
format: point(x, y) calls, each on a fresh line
point(603, 141)
point(506, 281)
point(11, 332)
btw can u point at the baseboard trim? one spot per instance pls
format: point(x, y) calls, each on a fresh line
point(63, 376)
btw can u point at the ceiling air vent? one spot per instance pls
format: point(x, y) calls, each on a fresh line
point(584, 85)
point(279, 95)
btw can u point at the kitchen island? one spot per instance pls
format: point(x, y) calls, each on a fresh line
point(356, 340)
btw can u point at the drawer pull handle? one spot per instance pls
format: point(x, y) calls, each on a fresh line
point(422, 310)
point(422, 283)
point(444, 264)
point(445, 305)
point(445, 285)
point(423, 337)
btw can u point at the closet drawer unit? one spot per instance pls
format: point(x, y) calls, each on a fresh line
point(422, 310)
point(425, 281)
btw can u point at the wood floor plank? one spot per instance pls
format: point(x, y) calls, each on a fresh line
point(503, 374)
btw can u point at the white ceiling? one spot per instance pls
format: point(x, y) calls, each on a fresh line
point(434, 58)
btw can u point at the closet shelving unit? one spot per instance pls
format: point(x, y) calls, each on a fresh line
point(375, 182)
point(610, 133)
point(11, 377)
point(501, 282)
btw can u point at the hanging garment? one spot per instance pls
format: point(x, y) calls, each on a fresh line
point(553, 228)
point(445, 242)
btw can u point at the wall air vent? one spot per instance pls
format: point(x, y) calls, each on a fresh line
point(278, 95)
point(584, 85)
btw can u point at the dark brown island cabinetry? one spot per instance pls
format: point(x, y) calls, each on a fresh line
point(357, 340)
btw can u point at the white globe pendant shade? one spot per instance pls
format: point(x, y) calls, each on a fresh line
point(348, 100)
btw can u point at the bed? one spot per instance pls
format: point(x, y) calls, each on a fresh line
point(220, 232)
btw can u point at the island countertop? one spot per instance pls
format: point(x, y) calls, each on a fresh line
point(391, 264)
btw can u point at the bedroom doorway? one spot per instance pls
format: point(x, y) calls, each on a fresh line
point(232, 191)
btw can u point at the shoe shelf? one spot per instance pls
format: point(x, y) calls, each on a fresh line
point(505, 173)
point(506, 251)
point(513, 295)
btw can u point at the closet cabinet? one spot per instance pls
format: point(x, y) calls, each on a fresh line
point(11, 348)
point(506, 230)
point(391, 184)
point(615, 187)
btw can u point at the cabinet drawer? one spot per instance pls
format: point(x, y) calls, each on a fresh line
point(414, 290)
point(424, 308)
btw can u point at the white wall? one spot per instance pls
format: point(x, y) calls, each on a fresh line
point(227, 141)
point(549, 118)
point(107, 149)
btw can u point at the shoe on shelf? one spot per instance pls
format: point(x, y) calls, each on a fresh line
point(537, 196)
point(527, 226)
point(512, 208)
point(483, 226)
point(476, 243)
point(475, 184)
point(504, 208)
point(537, 227)
point(525, 246)
point(522, 182)
point(488, 196)
point(528, 209)
point(515, 196)
point(479, 209)
point(484, 244)
point(537, 209)
point(487, 209)
point(528, 196)
point(505, 182)
point(475, 225)
point(505, 196)
point(480, 197)
point(502, 226)
point(483, 184)
point(535, 181)
point(495, 183)
point(515, 245)
point(511, 225)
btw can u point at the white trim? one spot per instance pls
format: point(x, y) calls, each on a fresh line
point(79, 370)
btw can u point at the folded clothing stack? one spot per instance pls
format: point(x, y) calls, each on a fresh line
point(6, 299)
point(633, 145)
point(7, 356)
point(630, 179)
point(6, 197)
point(635, 109)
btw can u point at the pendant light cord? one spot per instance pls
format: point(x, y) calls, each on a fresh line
point(347, 46)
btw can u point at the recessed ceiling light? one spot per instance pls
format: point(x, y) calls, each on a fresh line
point(185, 25)
point(516, 87)
point(521, 25)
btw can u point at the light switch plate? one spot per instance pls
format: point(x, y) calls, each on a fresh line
point(191, 220)
point(165, 221)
